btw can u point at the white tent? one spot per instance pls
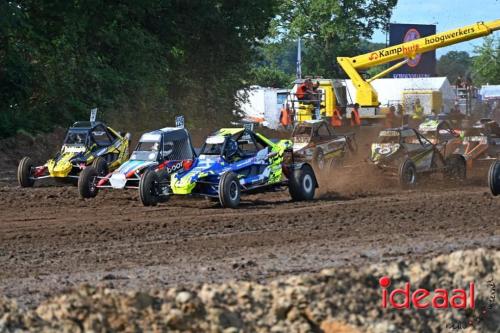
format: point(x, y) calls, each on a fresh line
point(390, 91)
point(490, 92)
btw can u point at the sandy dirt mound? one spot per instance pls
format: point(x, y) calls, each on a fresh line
point(39, 147)
point(334, 300)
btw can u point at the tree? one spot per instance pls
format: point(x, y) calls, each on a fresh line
point(330, 29)
point(454, 64)
point(140, 62)
point(268, 76)
point(486, 63)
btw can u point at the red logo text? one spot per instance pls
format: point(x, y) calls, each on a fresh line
point(402, 298)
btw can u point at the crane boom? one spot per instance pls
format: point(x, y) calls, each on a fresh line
point(366, 94)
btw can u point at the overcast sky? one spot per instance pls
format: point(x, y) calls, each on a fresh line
point(446, 14)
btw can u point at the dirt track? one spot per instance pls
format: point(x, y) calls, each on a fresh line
point(50, 239)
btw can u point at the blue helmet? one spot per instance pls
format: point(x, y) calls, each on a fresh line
point(231, 148)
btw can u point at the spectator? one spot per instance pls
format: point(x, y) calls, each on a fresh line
point(418, 113)
point(302, 91)
point(316, 99)
point(355, 118)
point(390, 117)
point(401, 115)
point(336, 120)
point(285, 118)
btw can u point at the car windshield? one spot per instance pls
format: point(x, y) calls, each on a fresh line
point(212, 149)
point(213, 145)
point(389, 137)
point(146, 151)
point(147, 146)
point(76, 137)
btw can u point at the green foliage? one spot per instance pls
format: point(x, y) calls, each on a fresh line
point(330, 29)
point(266, 76)
point(366, 47)
point(140, 62)
point(280, 54)
point(454, 64)
point(486, 63)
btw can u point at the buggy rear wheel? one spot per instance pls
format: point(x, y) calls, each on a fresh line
point(407, 174)
point(302, 184)
point(494, 178)
point(101, 166)
point(87, 182)
point(25, 172)
point(229, 190)
point(455, 168)
point(149, 188)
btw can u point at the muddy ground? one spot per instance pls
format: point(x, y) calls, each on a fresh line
point(50, 239)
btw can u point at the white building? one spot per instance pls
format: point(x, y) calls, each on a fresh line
point(263, 105)
point(390, 90)
point(490, 92)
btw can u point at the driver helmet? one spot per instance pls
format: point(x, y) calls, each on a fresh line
point(232, 148)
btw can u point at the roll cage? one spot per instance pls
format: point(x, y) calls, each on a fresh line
point(248, 144)
point(88, 134)
point(172, 145)
point(407, 136)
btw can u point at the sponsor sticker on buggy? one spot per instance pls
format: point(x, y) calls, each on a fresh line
point(215, 140)
point(174, 167)
point(151, 137)
point(384, 148)
point(73, 149)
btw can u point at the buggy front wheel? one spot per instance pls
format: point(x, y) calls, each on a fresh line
point(87, 182)
point(229, 190)
point(302, 184)
point(25, 172)
point(149, 188)
point(407, 174)
point(494, 178)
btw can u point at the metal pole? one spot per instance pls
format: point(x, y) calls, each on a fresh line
point(299, 60)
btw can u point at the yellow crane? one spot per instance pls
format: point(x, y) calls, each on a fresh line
point(366, 96)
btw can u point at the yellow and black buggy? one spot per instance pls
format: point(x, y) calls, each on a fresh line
point(86, 143)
